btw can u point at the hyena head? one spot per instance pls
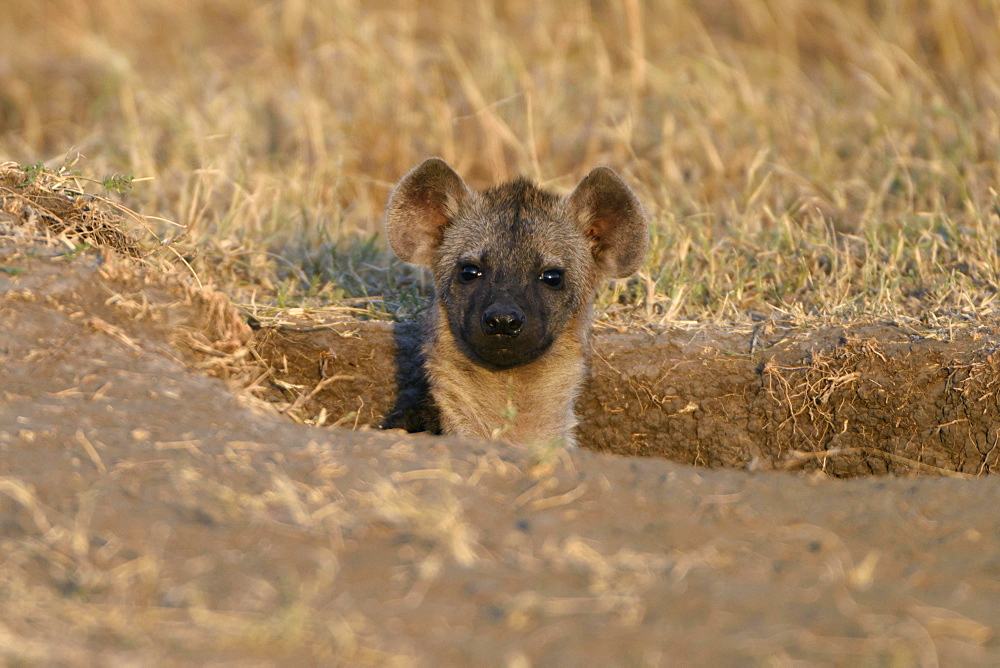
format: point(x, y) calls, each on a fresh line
point(514, 265)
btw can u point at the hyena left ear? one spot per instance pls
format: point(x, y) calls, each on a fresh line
point(612, 218)
point(420, 207)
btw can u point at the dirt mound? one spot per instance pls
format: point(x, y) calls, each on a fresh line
point(149, 513)
point(868, 400)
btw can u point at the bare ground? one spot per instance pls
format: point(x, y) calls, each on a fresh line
point(151, 512)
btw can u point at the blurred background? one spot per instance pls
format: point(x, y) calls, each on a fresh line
point(798, 159)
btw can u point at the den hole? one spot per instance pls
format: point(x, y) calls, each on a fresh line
point(854, 401)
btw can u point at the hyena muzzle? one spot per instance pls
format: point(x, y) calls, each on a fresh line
point(516, 268)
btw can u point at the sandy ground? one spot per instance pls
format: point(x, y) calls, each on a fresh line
point(152, 512)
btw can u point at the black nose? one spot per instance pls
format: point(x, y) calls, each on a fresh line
point(503, 319)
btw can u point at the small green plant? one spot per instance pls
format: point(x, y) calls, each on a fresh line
point(119, 183)
point(32, 172)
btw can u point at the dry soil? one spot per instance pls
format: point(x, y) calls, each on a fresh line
point(153, 507)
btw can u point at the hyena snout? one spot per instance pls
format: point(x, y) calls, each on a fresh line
point(503, 319)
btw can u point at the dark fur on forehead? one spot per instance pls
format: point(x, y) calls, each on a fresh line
point(519, 198)
point(524, 226)
point(536, 218)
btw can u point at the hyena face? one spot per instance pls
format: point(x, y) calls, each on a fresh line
point(514, 265)
point(511, 270)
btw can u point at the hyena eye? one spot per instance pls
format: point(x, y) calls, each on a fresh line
point(552, 278)
point(469, 273)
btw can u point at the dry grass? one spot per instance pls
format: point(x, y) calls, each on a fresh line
point(51, 207)
point(798, 159)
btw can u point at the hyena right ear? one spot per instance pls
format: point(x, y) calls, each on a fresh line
point(420, 207)
point(612, 218)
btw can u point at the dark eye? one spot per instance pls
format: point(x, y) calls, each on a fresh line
point(469, 273)
point(552, 278)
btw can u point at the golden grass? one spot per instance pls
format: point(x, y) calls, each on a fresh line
point(798, 159)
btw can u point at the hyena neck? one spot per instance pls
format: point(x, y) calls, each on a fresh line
point(533, 403)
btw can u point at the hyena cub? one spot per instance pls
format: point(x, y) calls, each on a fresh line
point(516, 269)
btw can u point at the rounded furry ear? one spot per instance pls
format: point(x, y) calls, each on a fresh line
point(421, 206)
point(610, 216)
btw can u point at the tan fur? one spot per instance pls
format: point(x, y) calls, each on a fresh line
point(532, 403)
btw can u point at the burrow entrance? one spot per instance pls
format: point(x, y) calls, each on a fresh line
point(860, 401)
